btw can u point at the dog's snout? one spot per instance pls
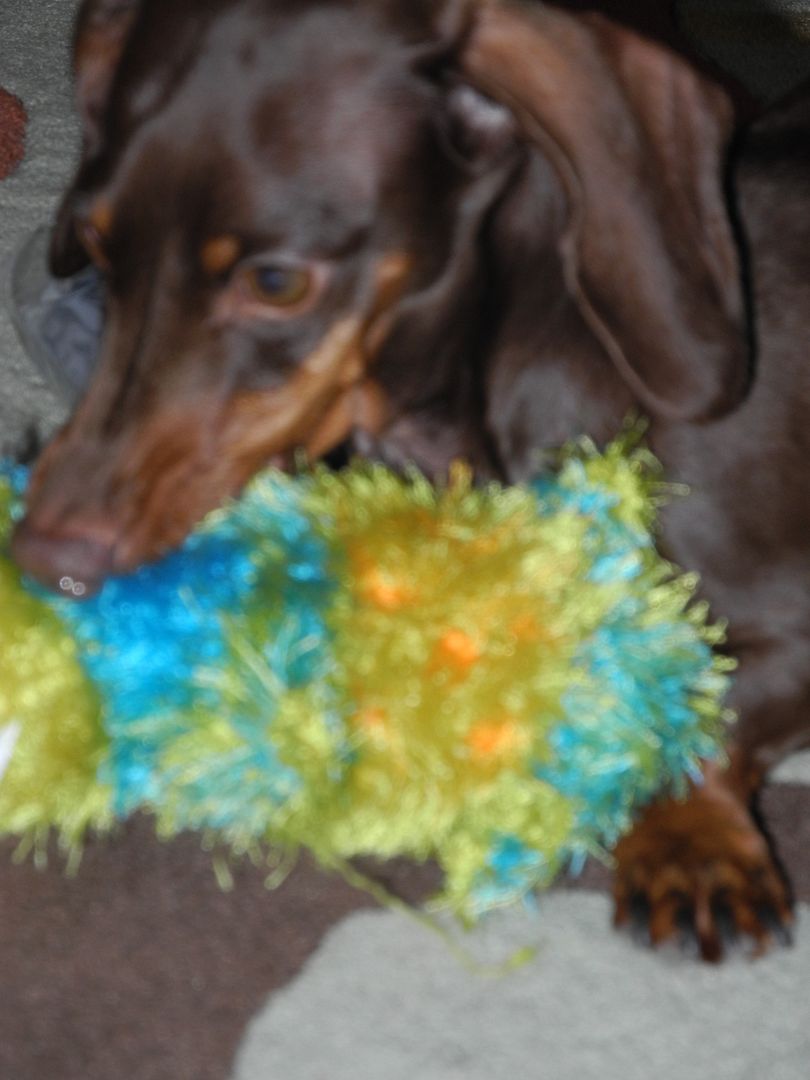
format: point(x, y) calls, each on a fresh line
point(74, 564)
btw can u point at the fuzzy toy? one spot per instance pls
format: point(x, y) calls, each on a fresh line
point(362, 664)
point(12, 133)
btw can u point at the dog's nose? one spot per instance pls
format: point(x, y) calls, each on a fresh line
point(74, 563)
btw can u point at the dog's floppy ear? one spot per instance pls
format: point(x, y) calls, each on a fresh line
point(639, 140)
point(102, 30)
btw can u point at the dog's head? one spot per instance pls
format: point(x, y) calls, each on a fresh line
point(289, 202)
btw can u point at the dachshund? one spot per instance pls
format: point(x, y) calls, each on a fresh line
point(441, 229)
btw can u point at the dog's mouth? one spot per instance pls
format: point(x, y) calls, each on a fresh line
point(94, 512)
point(75, 544)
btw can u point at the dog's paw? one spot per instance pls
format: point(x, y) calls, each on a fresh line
point(700, 873)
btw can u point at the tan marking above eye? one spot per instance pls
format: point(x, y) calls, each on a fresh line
point(220, 254)
point(94, 233)
point(101, 217)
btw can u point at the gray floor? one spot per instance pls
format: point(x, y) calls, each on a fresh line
point(381, 1000)
point(34, 65)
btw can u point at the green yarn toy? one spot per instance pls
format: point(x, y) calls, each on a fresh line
point(362, 664)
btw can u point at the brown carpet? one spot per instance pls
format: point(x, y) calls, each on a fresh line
point(141, 967)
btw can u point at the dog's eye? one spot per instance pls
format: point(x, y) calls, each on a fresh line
point(272, 288)
point(280, 286)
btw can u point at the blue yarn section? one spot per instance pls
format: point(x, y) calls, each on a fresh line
point(628, 727)
point(512, 871)
point(143, 638)
point(16, 476)
point(617, 550)
point(239, 791)
point(154, 641)
point(631, 730)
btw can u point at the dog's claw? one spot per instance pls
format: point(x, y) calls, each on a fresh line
point(700, 874)
point(724, 922)
point(777, 923)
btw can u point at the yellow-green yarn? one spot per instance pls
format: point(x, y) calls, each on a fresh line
point(448, 600)
point(51, 780)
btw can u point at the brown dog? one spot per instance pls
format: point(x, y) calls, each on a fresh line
point(464, 228)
